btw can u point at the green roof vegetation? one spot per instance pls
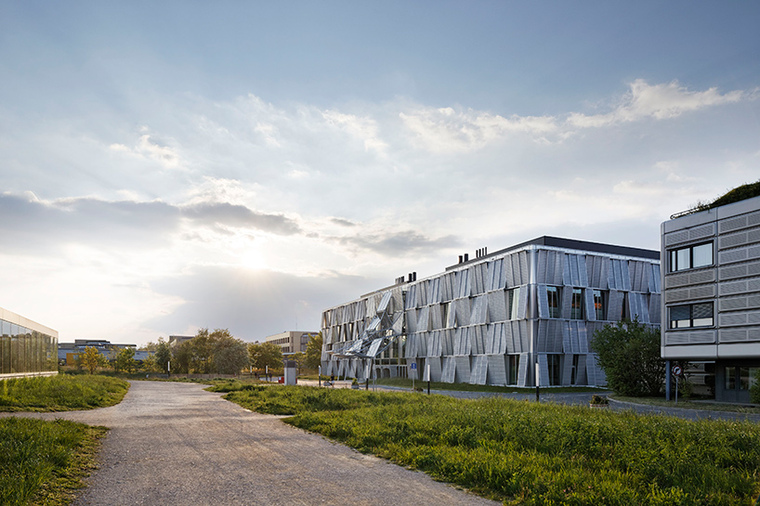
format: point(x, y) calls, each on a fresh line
point(743, 192)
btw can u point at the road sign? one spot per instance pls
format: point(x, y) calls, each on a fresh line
point(413, 366)
point(677, 370)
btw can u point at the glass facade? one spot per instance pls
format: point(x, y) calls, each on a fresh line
point(26, 351)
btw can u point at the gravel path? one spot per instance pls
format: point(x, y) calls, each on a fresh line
point(175, 444)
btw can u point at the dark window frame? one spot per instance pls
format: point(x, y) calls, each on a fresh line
point(673, 255)
point(673, 326)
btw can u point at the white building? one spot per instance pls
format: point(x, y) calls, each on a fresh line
point(499, 319)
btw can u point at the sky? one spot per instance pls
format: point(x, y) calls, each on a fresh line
point(176, 165)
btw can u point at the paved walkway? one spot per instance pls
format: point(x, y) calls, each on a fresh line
point(175, 444)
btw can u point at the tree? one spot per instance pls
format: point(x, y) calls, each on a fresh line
point(629, 353)
point(125, 360)
point(265, 354)
point(163, 355)
point(91, 359)
point(230, 355)
point(314, 352)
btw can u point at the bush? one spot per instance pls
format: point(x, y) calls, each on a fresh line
point(629, 353)
point(754, 391)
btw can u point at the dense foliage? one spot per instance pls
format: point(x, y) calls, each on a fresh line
point(263, 355)
point(629, 353)
point(125, 361)
point(314, 352)
point(91, 359)
point(216, 352)
point(39, 460)
point(533, 453)
point(743, 192)
point(61, 393)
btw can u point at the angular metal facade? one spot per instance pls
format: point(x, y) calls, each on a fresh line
point(502, 318)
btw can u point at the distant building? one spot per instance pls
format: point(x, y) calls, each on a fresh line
point(711, 295)
point(69, 352)
point(291, 341)
point(177, 340)
point(27, 348)
point(513, 317)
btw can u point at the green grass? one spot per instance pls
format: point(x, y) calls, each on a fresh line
point(689, 404)
point(528, 453)
point(43, 462)
point(61, 393)
point(466, 387)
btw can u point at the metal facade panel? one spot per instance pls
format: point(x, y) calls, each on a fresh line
point(423, 319)
point(497, 306)
point(463, 284)
point(588, 303)
point(497, 370)
point(522, 370)
point(567, 369)
point(543, 301)
point(410, 348)
point(479, 372)
point(434, 291)
point(543, 370)
point(435, 368)
point(615, 305)
point(411, 320)
point(434, 344)
point(448, 371)
point(566, 301)
point(479, 312)
point(462, 374)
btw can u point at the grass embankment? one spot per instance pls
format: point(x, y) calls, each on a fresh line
point(61, 393)
point(532, 453)
point(44, 462)
point(691, 404)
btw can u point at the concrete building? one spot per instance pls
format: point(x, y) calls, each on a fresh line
point(26, 347)
point(291, 341)
point(504, 318)
point(711, 294)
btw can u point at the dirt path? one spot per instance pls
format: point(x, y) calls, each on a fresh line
point(175, 444)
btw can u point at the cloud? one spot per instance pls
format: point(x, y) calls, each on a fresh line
point(447, 130)
point(361, 128)
point(238, 216)
point(151, 149)
point(253, 305)
point(659, 101)
point(37, 223)
point(397, 243)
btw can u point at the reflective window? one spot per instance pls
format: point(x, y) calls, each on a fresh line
point(552, 294)
point(555, 376)
point(599, 304)
point(514, 299)
point(576, 304)
point(691, 315)
point(691, 257)
point(514, 367)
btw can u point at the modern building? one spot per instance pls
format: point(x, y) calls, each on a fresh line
point(291, 341)
point(504, 318)
point(177, 340)
point(711, 294)
point(26, 347)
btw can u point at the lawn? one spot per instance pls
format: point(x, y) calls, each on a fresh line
point(527, 453)
point(61, 393)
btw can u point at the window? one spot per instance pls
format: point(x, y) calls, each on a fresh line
point(555, 377)
point(599, 304)
point(514, 367)
point(574, 370)
point(552, 294)
point(576, 304)
point(730, 383)
point(691, 257)
point(514, 299)
point(691, 315)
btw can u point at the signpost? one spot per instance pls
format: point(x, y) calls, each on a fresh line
point(677, 373)
point(426, 377)
point(413, 367)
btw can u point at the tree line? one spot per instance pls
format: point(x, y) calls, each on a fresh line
point(217, 352)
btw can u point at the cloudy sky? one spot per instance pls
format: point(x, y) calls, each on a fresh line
point(167, 166)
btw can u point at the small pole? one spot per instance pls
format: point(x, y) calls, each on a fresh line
point(538, 399)
point(676, 389)
point(319, 374)
point(168, 369)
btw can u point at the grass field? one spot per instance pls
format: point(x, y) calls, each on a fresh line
point(528, 453)
point(61, 393)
